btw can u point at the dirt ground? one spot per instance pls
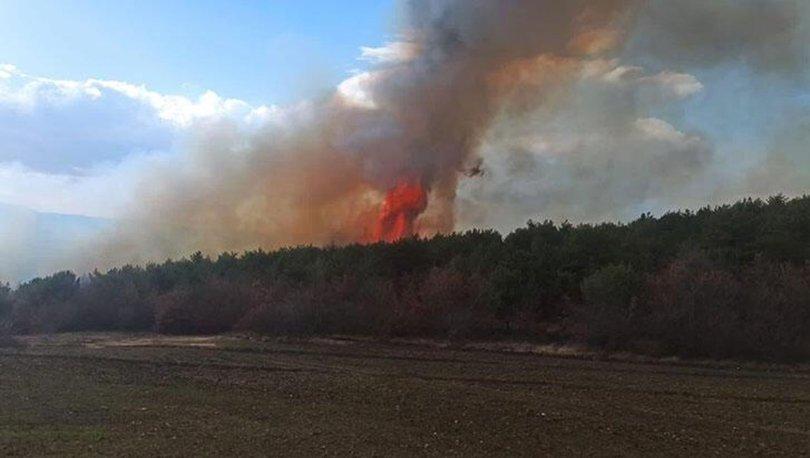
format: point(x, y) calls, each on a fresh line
point(141, 395)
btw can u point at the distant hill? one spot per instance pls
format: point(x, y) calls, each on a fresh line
point(33, 243)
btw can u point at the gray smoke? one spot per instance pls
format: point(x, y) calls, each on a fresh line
point(561, 105)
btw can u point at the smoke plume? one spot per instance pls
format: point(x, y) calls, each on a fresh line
point(379, 164)
point(558, 99)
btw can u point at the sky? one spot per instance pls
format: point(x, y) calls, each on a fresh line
point(99, 97)
point(83, 83)
point(262, 52)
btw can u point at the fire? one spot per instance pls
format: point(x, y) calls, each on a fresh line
point(403, 203)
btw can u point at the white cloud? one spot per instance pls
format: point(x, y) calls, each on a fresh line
point(61, 128)
point(659, 129)
point(29, 92)
point(671, 84)
point(7, 71)
point(679, 85)
point(391, 52)
point(357, 90)
point(181, 110)
point(264, 114)
point(79, 147)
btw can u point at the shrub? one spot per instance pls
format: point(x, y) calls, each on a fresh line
point(452, 304)
point(5, 302)
point(345, 305)
point(694, 309)
point(760, 311)
point(44, 304)
point(210, 307)
point(289, 316)
point(6, 339)
point(611, 305)
point(776, 315)
point(113, 301)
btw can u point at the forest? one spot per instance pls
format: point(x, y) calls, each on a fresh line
point(723, 282)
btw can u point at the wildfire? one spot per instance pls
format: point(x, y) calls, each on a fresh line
point(403, 203)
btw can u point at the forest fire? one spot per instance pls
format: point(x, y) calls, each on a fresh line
point(403, 203)
point(410, 125)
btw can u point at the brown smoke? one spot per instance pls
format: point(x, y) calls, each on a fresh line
point(328, 171)
point(768, 35)
point(340, 170)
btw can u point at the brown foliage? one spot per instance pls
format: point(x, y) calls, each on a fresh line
point(210, 307)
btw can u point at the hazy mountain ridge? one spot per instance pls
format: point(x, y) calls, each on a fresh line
point(38, 241)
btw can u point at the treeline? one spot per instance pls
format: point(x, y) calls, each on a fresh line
point(731, 281)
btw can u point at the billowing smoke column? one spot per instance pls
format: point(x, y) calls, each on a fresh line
point(461, 64)
point(555, 84)
point(381, 158)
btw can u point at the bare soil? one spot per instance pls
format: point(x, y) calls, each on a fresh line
point(146, 395)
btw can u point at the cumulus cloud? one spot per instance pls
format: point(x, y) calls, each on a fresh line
point(79, 147)
point(357, 90)
point(64, 126)
point(179, 110)
point(28, 92)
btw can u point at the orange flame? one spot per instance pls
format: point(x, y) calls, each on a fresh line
point(403, 203)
